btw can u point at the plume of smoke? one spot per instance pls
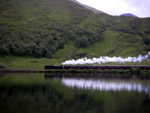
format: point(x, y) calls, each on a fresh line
point(106, 59)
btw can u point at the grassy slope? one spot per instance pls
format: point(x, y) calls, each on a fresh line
point(33, 14)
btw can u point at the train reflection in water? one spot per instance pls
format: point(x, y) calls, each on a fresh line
point(107, 85)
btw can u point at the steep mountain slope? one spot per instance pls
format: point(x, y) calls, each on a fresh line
point(62, 30)
point(40, 22)
point(87, 7)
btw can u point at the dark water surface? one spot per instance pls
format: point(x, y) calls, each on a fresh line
point(73, 93)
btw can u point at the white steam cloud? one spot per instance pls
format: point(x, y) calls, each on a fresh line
point(106, 59)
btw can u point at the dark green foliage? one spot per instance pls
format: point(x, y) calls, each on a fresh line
point(43, 43)
point(39, 44)
point(4, 50)
point(48, 54)
point(83, 37)
point(146, 40)
point(1, 66)
point(81, 42)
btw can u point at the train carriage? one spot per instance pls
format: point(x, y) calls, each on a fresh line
point(94, 67)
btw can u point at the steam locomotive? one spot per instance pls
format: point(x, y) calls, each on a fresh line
point(94, 67)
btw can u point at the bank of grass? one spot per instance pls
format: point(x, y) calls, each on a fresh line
point(112, 44)
point(133, 72)
point(27, 62)
point(16, 62)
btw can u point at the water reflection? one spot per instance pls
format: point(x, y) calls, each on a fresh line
point(46, 93)
point(107, 85)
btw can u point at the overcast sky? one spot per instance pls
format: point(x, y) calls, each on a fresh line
point(140, 8)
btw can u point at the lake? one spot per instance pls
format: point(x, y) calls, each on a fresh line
point(73, 93)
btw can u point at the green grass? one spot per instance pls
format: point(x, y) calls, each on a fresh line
point(112, 44)
point(102, 47)
point(39, 63)
point(30, 17)
point(28, 62)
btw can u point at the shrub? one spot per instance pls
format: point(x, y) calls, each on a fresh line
point(81, 42)
point(146, 40)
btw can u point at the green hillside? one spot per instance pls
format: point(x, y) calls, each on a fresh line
point(34, 33)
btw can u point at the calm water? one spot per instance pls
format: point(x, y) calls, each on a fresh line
point(73, 93)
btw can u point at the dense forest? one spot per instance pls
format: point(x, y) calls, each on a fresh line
point(43, 44)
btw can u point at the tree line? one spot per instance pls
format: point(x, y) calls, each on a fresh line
point(43, 42)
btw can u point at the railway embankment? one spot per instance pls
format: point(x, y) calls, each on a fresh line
point(143, 71)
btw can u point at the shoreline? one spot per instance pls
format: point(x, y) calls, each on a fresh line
point(131, 70)
point(110, 69)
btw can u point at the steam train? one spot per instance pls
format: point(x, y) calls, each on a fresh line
point(94, 67)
